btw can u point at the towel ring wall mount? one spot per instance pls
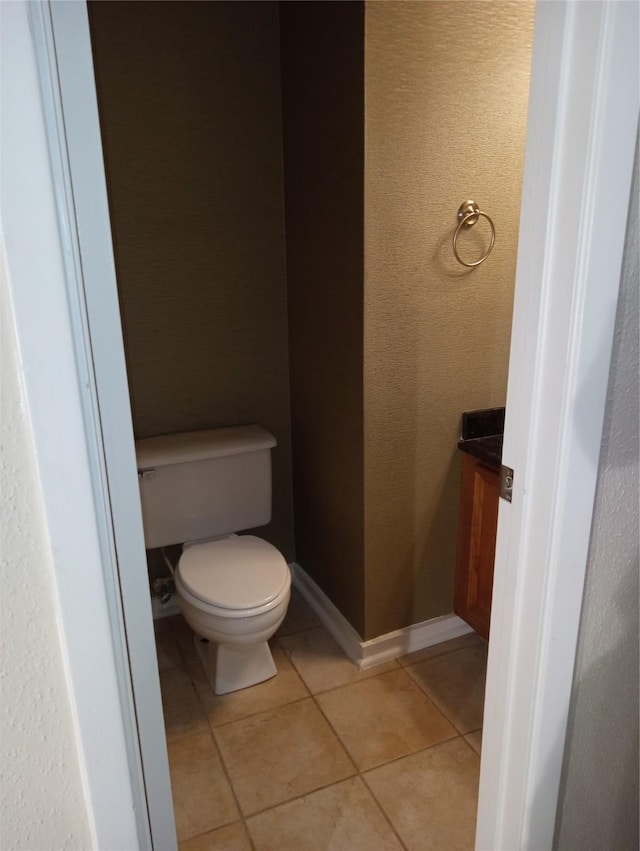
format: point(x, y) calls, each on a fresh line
point(468, 215)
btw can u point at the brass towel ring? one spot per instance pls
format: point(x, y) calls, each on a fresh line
point(468, 214)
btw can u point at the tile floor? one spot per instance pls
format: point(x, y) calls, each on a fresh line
point(324, 757)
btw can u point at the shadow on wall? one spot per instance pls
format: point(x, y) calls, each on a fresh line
point(598, 800)
point(598, 803)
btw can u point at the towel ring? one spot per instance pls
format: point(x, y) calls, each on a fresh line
point(468, 214)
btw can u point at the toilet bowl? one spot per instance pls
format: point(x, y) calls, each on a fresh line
point(234, 593)
point(233, 590)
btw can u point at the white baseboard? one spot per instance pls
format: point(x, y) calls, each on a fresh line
point(160, 610)
point(411, 638)
point(334, 621)
point(365, 654)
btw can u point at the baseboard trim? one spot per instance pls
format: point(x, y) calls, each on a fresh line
point(365, 654)
point(412, 638)
point(334, 621)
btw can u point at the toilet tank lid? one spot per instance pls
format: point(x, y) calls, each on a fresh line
point(200, 445)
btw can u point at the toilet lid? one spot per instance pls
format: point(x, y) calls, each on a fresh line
point(241, 572)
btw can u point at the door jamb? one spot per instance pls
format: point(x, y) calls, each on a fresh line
point(62, 48)
point(582, 126)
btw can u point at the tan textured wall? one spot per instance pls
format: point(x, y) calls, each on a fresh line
point(446, 102)
point(189, 97)
point(323, 103)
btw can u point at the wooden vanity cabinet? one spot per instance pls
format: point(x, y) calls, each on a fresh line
point(476, 543)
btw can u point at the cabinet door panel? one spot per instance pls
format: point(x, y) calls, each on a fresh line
point(476, 544)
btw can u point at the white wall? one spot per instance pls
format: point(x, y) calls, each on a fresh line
point(68, 757)
point(43, 804)
point(598, 806)
point(42, 796)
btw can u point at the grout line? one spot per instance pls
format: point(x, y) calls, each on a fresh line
point(464, 736)
point(248, 834)
point(439, 655)
point(225, 823)
point(185, 667)
point(250, 714)
point(303, 795)
point(230, 782)
point(358, 773)
point(214, 727)
point(204, 832)
point(220, 827)
point(456, 735)
point(342, 744)
point(440, 707)
point(314, 696)
point(360, 679)
point(383, 811)
point(358, 770)
point(436, 705)
point(258, 712)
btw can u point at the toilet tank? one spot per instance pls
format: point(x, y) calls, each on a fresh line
point(201, 484)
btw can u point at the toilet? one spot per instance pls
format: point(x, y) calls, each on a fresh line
point(200, 489)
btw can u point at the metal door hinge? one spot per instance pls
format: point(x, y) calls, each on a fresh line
point(506, 482)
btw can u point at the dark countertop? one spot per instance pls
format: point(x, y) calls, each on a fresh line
point(485, 449)
point(481, 437)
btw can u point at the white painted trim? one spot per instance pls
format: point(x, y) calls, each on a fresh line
point(412, 638)
point(581, 135)
point(63, 51)
point(39, 262)
point(366, 654)
point(334, 621)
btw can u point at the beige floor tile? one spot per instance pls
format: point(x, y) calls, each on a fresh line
point(166, 646)
point(300, 616)
point(233, 837)
point(183, 712)
point(343, 817)
point(183, 635)
point(455, 683)
point(440, 649)
point(202, 797)
point(475, 740)
point(285, 687)
point(321, 662)
point(431, 796)
point(278, 755)
point(383, 718)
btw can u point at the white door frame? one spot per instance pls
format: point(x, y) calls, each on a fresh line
point(65, 304)
point(581, 134)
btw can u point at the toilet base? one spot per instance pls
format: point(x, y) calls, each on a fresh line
point(231, 667)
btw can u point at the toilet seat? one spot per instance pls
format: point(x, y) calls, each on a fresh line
point(234, 577)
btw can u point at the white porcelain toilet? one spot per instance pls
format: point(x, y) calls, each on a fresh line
point(198, 489)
